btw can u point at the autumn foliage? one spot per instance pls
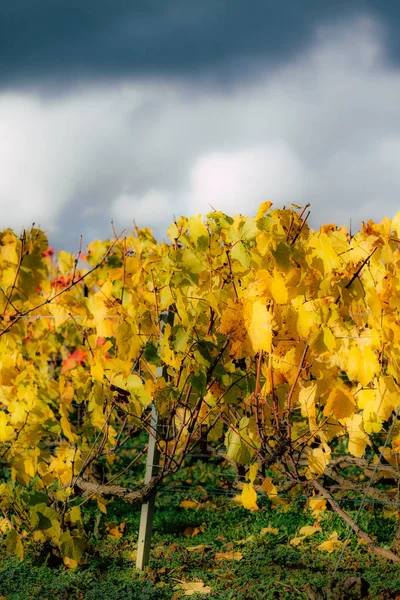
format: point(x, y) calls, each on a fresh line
point(281, 342)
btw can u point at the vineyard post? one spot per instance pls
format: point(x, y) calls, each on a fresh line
point(147, 513)
point(152, 464)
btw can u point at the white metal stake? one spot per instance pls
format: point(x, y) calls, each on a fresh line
point(146, 516)
point(152, 464)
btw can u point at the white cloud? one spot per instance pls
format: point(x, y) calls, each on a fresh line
point(323, 129)
point(237, 182)
point(152, 209)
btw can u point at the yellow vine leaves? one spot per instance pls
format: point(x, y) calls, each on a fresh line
point(307, 319)
point(248, 324)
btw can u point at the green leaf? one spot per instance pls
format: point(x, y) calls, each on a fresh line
point(237, 449)
point(181, 340)
point(33, 498)
point(14, 544)
point(198, 232)
point(240, 253)
point(43, 522)
point(151, 354)
point(191, 263)
point(248, 230)
point(198, 380)
point(71, 546)
point(220, 219)
point(239, 445)
point(282, 255)
point(44, 518)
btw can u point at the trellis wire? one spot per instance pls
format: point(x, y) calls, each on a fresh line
point(37, 317)
point(230, 492)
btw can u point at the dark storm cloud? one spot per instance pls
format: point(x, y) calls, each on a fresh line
point(63, 43)
point(318, 122)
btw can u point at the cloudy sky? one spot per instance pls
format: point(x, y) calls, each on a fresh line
point(146, 110)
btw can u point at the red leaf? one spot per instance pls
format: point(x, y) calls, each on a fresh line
point(75, 359)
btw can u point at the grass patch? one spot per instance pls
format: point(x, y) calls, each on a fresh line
point(269, 567)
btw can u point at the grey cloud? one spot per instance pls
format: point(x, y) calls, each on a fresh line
point(56, 45)
point(323, 128)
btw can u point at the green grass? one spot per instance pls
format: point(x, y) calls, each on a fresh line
point(270, 567)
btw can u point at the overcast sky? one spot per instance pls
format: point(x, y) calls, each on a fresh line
point(114, 111)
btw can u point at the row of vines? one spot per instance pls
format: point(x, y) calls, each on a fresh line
point(278, 343)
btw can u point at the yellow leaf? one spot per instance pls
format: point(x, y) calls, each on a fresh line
point(248, 324)
point(258, 322)
point(194, 587)
point(29, 467)
point(388, 397)
point(197, 228)
point(229, 556)
point(97, 371)
point(269, 529)
point(113, 531)
point(317, 461)
point(189, 504)
point(62, 494)
point(5, 525)
point(246, 541)
point(340, 404)
point(58, 310)
point(133, 384)
point(101, 504)
point(362, 365)
point(252, 472)
point(329, 339)
point(333, 543)
point(372, 420)
point(65, 261)
point(96, 251)
point(232, 325)
point(9, 250)
point(67, 431)
point(198, 548)
point(278, 288)
point(70, 562)
point(268, 487)
point(75, 515)
point(106, 289)
point(317, 506)
point(357, 437)
point(305, 532)
point(307, 318)
point(105, 328)
point(324, 251)
point(8, 276)
point(170, 358)
point(192, 531)
point(249, 497)
point(296, 541)
point(308, 530)
point(395, 225)
point(262, 209)
point(6, 431)
point(307, 396)
point(361, 542)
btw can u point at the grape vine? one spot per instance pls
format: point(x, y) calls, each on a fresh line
point(284, 347)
